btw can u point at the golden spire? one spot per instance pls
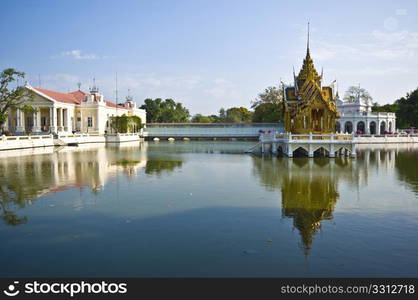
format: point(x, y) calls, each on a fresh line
point(307, 47)
point(308, 70)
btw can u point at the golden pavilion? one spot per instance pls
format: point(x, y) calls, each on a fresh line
point(309, 107)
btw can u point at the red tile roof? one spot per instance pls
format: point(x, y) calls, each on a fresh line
point(111, 104)
point(79, 95)
point(73, 97)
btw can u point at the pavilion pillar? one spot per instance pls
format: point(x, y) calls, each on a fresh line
point(289, 150)
point(274, 148)
point(331, 147)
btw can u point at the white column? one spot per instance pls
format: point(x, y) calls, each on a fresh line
point(36, 121)
point(59, 117)
point(63, 121)
point(19, 127)
point(52, 123)
point(66, 119)
point(331, 147)
point(367, 128)
point(310, 151)
point(289, 150)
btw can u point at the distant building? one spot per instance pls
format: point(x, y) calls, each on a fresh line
point(76, 111)
point(358, 117)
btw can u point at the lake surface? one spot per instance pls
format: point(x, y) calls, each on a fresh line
point(206, 209)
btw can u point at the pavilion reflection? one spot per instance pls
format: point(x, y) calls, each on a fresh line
point(309, 187)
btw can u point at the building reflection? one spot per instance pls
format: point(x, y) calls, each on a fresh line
point(26, 175)
point(309, 187)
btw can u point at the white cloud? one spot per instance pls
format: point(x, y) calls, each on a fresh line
point(371, 71)
point(399, 46)
point(401, 12)
point(390, 23)
point(78, 55)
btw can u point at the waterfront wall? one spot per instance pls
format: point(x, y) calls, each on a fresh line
point(82, 138)
point(210, 130)
point(386, 139)
point(123, 137)
point(22, 142)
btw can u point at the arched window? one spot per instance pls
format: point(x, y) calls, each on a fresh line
point(382, 127)
point(348, 127)
point(337, 127)
point(373, 127)
point(360, 127)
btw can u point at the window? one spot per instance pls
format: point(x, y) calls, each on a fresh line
point(89, 122)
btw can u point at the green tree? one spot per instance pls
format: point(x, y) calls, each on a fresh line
point(268, 106)
point(267, 112)
point(126, 124)
point(238, 114)
point(407, 110)
point(222, 115)
point(13, 98)
point(384, 108)
point(199, 118)
point(153, 109)
point(354, 92)
point(167, 111)
point(271, 94)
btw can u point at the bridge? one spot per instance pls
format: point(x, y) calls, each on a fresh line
point(210, 130)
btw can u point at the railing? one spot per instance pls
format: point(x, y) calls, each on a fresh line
point(367, 114)
point(272, 137)
point(397, 134)
point(78, 135)
point(5, 138)
point(124, 134)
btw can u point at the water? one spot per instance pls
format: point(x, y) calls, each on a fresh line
point(207, 209)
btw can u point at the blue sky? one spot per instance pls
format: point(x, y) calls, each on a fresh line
point(210, 54)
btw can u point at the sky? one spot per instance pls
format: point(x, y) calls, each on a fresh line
point(209, 54)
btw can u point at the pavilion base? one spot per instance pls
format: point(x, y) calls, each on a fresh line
point(308, 145)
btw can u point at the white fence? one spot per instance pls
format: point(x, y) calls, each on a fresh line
point(25, 141)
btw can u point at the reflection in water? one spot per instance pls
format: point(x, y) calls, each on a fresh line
point(308, 200)
point(309, 187)
point(210, 216)
point(158, 166)
point(406, 164)
point(24, 178)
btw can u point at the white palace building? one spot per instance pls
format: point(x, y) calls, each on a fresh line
point(61, 113)
point(357, 117)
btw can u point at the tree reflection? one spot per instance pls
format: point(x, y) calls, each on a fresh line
point(157, 167)
point(406, 163)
